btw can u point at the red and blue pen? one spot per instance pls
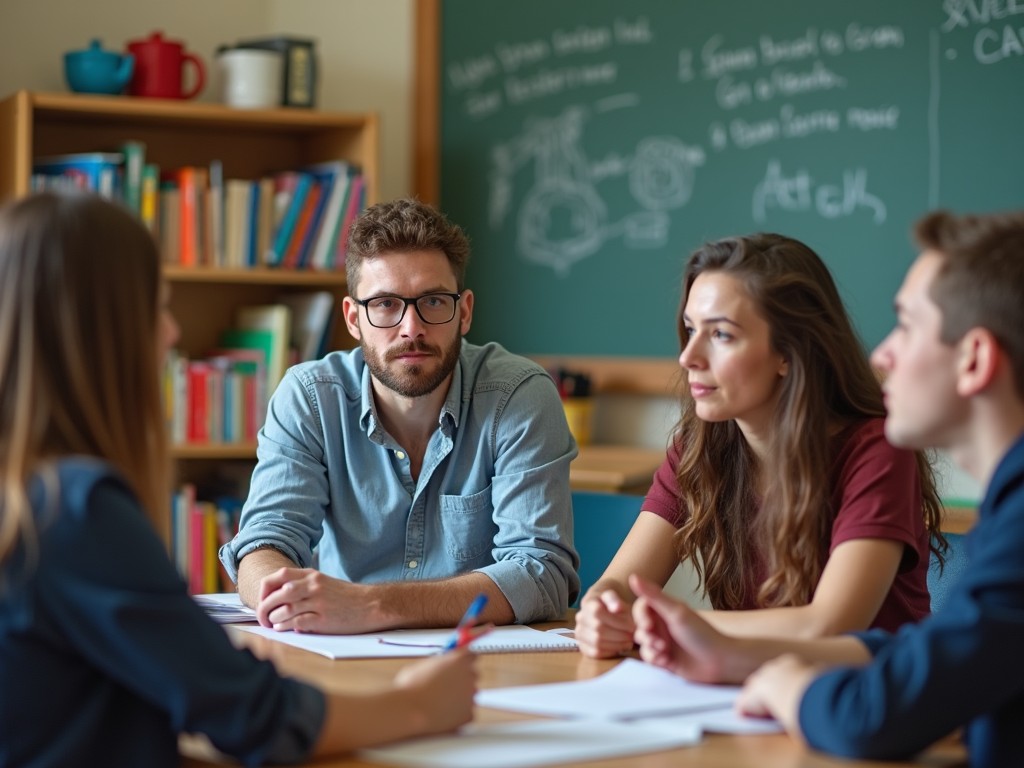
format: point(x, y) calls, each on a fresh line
point(464, 634)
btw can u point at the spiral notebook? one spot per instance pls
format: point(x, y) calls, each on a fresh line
point(417, 642)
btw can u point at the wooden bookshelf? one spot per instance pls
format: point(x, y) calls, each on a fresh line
point(250, 144)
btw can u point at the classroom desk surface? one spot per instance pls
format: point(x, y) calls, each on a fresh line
point(501, 670)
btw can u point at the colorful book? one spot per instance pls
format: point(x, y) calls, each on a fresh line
point(134, 160)
point(265, 221)
point(311, 316)
point(190, 181)
point(170, 223)
point(237, 230)
point(149, 197)
point(214, 233)
point(305, 222)
point(355, 205)
point(333, 214)
point(290, 217)
point(99, 172)
point(246, 379)
point(257, 339)
point(198, 402)
point(275, 318)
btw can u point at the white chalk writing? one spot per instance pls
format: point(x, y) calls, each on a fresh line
point(799, 192)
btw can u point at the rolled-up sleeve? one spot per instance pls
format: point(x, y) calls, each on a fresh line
point(535, 561)
point(289, 491)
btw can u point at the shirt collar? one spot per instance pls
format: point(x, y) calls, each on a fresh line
point(370, 422)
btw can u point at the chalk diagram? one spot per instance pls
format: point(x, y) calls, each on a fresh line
point(562, 218)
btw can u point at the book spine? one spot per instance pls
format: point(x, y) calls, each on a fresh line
point(149, 197)
point(195, 549)
point(299, 237)
point(188, 217)
point(198, 405)
point(215, 214)
point(210, 539)
point(354, 207)
point(334, 213)
point(134, 160)
point(255, 211)
point(265, 222)
point(291, 216)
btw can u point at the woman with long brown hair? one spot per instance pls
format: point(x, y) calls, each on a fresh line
point(779, 486)
point(104, 658)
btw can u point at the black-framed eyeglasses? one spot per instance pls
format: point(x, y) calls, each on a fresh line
point(388, 311)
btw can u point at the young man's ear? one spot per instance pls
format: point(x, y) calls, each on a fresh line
point(350, 311)
point(978, 360)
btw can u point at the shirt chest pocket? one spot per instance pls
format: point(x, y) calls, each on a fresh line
point(467, 525)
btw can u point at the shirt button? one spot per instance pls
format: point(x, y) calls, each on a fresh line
point(413, 563)
point(400, 455)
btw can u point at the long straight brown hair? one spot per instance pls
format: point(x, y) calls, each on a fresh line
point(829, 384)
point(79, 313)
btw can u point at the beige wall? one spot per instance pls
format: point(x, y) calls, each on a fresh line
point(364, 46)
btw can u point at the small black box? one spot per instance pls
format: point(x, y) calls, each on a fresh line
point(299, 61)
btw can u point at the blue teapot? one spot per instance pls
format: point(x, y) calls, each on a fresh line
point(97, 71)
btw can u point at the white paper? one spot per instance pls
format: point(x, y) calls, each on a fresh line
point(533, 742)
point(716, 721)
point(631, 690)
point(225, 607)
point(407, 643)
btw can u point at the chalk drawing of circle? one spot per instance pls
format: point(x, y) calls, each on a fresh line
point(560, 222)
point(661, 176)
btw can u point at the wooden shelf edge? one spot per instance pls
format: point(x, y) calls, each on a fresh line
point(245, 451)
point(183, 112)
point(253, 275)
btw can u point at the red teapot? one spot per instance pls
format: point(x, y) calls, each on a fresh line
point(160, 66)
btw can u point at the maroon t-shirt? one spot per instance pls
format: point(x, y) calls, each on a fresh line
point(876, 494)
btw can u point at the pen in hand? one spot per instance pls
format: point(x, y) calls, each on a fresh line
point(463, 635)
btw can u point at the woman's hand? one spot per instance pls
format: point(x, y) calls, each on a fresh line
point(442, 688)
point(674, 637)
point(604, 624)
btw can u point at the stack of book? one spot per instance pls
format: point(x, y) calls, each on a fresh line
point(296, 219)
point(222, 398)
point(198, 529)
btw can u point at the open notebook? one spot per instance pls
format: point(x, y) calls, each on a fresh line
point(417, 642)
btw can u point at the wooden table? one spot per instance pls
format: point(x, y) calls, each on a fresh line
point(502, 670)
point(614, 469)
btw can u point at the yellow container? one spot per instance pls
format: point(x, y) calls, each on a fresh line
point(579, 412)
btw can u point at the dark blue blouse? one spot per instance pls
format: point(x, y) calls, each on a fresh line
point(104, 658)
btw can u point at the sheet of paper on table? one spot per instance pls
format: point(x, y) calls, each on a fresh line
point(533, 743)
point(225, 607)
point(407, 643)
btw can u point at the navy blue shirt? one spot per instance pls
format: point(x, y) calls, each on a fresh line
point(959, 667)
point(104, 658)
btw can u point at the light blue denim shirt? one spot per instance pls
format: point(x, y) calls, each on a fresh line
point(492, 495)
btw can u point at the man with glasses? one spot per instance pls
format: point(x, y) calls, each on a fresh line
point(421, 470)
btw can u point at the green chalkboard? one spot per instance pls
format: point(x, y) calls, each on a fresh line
point(588, 146)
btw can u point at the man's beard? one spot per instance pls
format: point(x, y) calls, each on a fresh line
point(414, 380)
